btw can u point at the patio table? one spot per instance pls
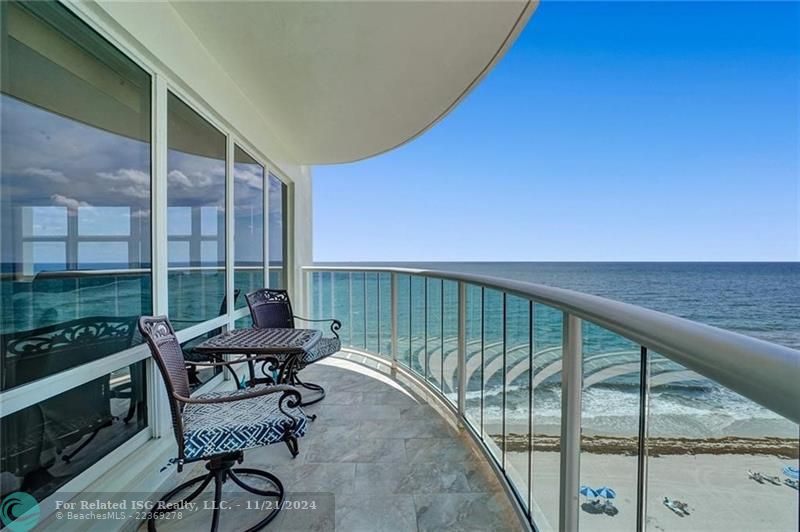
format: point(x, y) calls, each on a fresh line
point(277, 349)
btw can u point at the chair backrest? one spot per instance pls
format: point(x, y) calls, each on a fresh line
point(270, 308)
point(160, 336)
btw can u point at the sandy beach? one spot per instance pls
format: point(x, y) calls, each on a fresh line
point(710, 475)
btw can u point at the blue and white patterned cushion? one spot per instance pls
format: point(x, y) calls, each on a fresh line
point(218, 428)
point(325, 347)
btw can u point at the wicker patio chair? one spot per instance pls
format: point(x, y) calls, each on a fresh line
point(272, 308)
point(218, 427)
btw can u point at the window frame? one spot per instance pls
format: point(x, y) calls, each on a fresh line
point(162, 81)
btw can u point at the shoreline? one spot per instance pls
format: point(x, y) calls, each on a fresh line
point(784, 448)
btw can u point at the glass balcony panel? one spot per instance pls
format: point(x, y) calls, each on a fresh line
point(450, 346)
point(315, 295)
point(341, 307)
point(372, 312)
point(545, 459)
point(609, 428)
point(41, 444)
point(404, 320)
point(493, 371)
point(359, 311)
point(385, 317)
point(474, 356)
point(433, 333)
point(518, 395)
point(722, 455)
point(326, 294)
point(417, 310)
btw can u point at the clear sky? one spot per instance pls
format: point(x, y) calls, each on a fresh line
point(610, 131)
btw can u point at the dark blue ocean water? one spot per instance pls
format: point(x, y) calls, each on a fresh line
point(757, 299)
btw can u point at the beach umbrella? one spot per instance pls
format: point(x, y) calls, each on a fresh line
point(791, 472)
point(588, 492)
point(606, 492)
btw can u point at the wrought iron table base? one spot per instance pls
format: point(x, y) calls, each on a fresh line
point(285, 372)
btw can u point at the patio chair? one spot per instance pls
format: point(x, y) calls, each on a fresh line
point(272, 308)
point(190, 355)
point(218, 427)
point(77, 415)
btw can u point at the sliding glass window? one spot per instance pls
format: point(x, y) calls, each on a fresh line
point(195, 216)
point(248, 200)
point(277, 232)
point(75, 272)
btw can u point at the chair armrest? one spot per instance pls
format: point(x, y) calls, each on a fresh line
point(290, 398)
point(335, 324)
point(288, 391)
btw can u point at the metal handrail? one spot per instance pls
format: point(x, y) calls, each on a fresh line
point(761, 371)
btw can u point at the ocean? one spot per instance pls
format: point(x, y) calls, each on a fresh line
point(757, 299)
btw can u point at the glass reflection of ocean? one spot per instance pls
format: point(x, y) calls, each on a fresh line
point(757, 299)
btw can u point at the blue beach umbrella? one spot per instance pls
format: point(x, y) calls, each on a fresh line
point(791, 472)
point(588, 492)
point(606, 492)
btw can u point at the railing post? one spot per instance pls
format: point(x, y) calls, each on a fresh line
point(462, 351)
point(644, 392)
point(394, 319)
point(571, 389)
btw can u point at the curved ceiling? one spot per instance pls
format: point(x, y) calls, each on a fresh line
point(342, 81)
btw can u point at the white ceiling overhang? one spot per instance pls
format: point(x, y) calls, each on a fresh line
point(342, 81)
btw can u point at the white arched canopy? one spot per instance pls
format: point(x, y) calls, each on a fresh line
point(341, 81)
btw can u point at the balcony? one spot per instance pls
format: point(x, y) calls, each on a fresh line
point(378, 457)
point(169, 174)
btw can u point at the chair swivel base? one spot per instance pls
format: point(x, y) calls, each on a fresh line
point(220, 470)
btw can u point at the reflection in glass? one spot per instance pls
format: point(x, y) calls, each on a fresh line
point(74, 187)
point(49, 443)
point(277, 232)
point(196, 216)
point(248, 224)
point(703, 442)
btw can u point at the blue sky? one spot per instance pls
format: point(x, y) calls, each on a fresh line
point(610, 131)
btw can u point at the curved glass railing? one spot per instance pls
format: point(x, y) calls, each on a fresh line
point(685, 425)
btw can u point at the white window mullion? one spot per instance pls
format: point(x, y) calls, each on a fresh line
point(157, 405)
point(267, 180)
point(229, 228)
